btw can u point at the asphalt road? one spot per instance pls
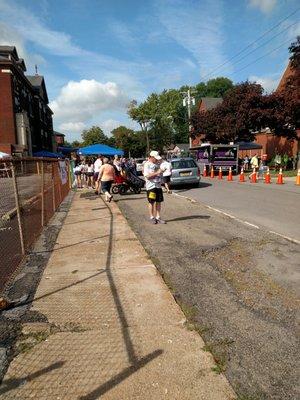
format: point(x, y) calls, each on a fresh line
point(273, 207)
point(237, 286)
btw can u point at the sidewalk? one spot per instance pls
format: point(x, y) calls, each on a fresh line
point(108, 326)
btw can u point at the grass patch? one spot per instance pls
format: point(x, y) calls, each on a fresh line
point(219, 351)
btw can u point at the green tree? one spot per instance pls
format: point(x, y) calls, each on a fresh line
point(76, 143)
point(94, 135)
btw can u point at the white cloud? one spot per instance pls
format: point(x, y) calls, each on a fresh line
point(269, 83)
point(109, 125)
point(79, 102)
point(72, 127)
point(266, 6)
point(197, 28)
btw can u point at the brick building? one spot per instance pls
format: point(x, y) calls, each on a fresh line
point(206, 103)
point(25, 117)
point(58, 140)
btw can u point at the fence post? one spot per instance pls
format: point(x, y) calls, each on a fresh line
point(42, 188)
point(53, 193)
point(13, 173)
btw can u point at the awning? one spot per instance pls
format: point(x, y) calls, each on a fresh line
point(248, 146)
point(66, 149)
point(100, 149)
point(47, 154)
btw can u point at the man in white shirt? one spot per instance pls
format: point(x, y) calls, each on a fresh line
point(153, 177)
point(97, 165)
point(166, 166)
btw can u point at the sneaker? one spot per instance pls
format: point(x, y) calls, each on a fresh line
point(160, 221)
point(153, 221)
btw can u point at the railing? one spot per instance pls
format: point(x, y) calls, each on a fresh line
point(31, 190)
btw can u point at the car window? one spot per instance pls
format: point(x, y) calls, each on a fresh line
point(181, 164)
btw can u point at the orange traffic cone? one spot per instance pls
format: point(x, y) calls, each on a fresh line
point(253, 176)
point(204, 171)
point(268, 177)
point(229, 177)
point(212, 172)
point(298, 177)
point(220, 173)
point(280, 178)
point(242, 176)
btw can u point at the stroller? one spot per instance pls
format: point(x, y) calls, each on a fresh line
point(127, 180)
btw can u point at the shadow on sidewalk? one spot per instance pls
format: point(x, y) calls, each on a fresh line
point(135, 362)
point(14, 383)
point(188, 217)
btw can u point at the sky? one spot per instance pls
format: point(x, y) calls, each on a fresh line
point(97, 55)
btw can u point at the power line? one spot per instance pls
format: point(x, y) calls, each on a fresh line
point(268, 41)
point(252, 43)
point(258, 59)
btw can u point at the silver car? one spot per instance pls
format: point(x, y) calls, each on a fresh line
point(185, 171)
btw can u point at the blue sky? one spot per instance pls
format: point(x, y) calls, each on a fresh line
point(97, 55)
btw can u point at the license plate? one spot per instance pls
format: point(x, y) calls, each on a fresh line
point(185, 174)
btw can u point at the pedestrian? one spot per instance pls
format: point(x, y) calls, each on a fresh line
point(246, 162)
point(117, 163)
point(153, 177)
point(78, 173)
point(106, 176)
point(97, 166)
point(166, 166)
point(90, 174)
point(254, 165)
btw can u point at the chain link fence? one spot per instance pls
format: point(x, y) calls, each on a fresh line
point(31, 190)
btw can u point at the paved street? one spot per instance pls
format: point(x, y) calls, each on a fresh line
point(273, 207)
point(239, 287)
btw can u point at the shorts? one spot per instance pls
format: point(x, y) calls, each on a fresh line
point(96, 174)
point(106, 186)
point(77, 173)
point(166, 179)
point(155, 195)
point(90, 174)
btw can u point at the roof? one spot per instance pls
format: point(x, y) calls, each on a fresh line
point(288, 73)
point(211, 102)
point(58, 133)
point(248, 146)
point(9, 49)
point(35, 80)
point(38, 83)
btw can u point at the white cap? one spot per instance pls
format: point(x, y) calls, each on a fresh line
point(155, 154)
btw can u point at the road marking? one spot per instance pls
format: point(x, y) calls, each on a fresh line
point(238, 219)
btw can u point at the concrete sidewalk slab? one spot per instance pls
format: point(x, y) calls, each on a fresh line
point(107, 326)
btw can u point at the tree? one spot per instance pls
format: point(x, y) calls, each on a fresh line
point(295, 53)
point(236, 119)
point(123, 138)
point(93, 135)
point(76, 143)
point(216, 87)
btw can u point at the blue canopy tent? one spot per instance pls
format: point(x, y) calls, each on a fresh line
point(66, 150)
point(48, 154)
point(102, 149)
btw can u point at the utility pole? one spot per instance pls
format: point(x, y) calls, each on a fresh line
point(188, 101)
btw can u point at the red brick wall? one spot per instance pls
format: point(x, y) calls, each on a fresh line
point(7, 119)
point(277, 144)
